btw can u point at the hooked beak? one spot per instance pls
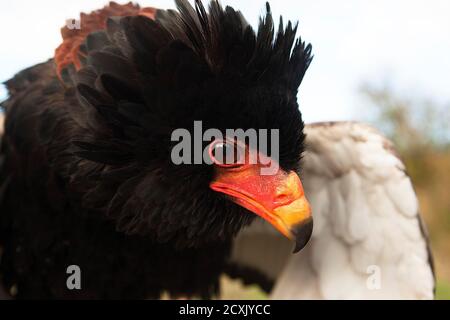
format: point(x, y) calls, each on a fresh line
point(278, 198)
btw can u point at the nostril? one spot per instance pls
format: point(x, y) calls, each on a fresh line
point(283, 198)
point(288, 190)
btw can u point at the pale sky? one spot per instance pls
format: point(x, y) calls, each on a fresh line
point(404, 43)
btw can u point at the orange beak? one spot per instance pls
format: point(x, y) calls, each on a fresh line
point(278, 198)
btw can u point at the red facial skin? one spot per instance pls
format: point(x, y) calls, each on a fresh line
point(277, 198)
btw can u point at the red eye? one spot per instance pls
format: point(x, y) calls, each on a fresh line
point(227, 153)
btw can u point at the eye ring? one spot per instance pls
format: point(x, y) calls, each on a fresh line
point(219, 153)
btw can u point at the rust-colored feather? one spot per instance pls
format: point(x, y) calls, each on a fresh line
point(68, 52)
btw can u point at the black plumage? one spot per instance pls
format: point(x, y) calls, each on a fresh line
point(86, 175)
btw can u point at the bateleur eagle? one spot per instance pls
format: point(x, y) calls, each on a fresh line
point(87, 179)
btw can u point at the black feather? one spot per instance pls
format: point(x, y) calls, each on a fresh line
point(91, 159)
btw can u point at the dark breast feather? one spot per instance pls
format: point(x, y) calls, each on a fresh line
point(44, 228)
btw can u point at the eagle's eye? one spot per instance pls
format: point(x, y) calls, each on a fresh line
point(225, 153)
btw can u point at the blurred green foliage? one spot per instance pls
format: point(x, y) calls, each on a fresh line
point(414, 125)
point(443, 290)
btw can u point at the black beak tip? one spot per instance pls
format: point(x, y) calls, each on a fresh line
point(302, 234)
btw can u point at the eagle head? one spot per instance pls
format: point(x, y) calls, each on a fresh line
point(143, 79)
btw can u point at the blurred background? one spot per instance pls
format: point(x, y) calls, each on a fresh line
point(382, 62)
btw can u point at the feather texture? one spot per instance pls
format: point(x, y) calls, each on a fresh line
point(73, 49)
point(90, 155)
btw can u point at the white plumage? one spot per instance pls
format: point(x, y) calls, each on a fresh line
point(368, 240)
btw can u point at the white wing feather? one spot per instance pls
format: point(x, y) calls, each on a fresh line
point(368, 240)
